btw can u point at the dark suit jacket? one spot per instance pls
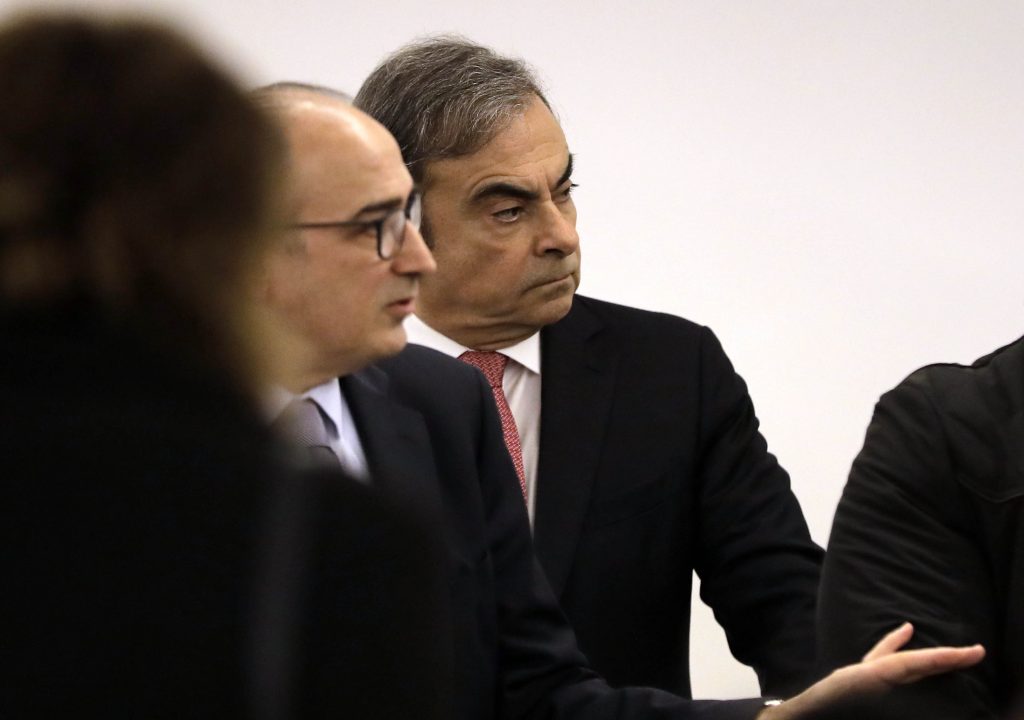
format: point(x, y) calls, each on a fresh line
point(432, 436)
point(157, 562)
point(651, 466)
point(930, 528)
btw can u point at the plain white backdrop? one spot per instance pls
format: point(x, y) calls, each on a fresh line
point(834, 187)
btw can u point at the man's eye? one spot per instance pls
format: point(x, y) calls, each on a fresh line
point(508, 215)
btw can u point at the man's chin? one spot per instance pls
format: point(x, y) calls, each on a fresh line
point(555, 309)
point(392, 343)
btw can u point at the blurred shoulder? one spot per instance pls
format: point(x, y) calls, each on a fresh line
point(419, 363)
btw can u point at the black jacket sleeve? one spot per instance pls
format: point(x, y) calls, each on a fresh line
point(758, 566)
point(905, 545)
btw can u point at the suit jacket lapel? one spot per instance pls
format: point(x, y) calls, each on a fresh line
point(578, 366)
point(394, 439)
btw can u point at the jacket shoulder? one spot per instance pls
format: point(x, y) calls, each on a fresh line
point(631, 320)
point(980, 409)
point(431, 382)
point(427, 365)
point(995, 380)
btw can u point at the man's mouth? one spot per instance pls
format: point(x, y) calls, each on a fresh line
point(404, 306)
point(556, 280)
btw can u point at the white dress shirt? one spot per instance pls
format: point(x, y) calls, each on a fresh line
point(521, 384)
point(341, 427)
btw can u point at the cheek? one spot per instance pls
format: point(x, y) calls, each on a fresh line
point(333, 297)
point(491, 270)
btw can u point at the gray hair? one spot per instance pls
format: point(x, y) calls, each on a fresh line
point(446, 96)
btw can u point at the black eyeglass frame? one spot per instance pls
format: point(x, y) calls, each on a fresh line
point(412, 213)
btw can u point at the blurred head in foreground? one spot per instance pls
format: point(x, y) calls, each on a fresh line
point(136, 188)
point(162, 563)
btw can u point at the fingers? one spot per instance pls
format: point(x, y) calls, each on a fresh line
point(891, 642)
point(882, 669)
point(898, 668)
point(912, 665)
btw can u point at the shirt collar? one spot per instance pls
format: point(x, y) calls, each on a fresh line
point(526, 352)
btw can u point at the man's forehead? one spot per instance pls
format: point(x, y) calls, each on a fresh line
point(331, 124)
point(337, 149)
point(532, 149)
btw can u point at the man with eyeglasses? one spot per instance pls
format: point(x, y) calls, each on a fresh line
point(423, 429)
point(345, 278)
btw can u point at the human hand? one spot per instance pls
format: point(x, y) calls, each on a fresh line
point(882, 669)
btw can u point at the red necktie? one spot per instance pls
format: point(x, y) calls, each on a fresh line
point(492, 364)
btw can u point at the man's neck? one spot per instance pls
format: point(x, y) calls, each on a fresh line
point(525, 353)
point(479, 337)
point(301, 381)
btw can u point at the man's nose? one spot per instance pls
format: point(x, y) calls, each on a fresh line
point(415, 257)
point(558, 232)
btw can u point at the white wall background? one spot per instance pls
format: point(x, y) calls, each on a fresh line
point(835, 187)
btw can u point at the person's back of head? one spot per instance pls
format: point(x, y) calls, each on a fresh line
point(135, 182)
point(135, 201)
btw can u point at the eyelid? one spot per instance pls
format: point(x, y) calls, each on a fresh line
point(508, 214)
point(372, 217)
point(564, 194)
point(506, 202)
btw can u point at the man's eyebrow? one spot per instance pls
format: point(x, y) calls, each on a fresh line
point(502, 188)
point(377, 207)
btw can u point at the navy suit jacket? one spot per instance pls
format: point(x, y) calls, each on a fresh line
point(432, 438)
point(651, 466)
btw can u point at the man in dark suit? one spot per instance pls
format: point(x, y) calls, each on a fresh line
point(424, 430)
point(641, 455)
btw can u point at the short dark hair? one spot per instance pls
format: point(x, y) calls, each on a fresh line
point(134, 175)
point(445, 96)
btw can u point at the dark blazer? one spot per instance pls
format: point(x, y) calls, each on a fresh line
point(431, 433)
point(651, 466)
point(930, 528)
point(158, 562)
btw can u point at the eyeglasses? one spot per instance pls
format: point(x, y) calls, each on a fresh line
point(390, 228)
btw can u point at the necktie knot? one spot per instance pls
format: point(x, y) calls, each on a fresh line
point(302, 422)
point(491, 364)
